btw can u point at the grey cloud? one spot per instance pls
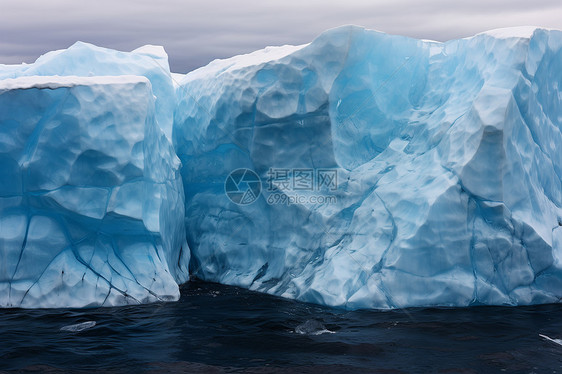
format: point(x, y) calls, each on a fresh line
point(195, 33)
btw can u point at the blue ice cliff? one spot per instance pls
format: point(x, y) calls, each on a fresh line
point(447, 155)
point(362, 170)
point(91, 200)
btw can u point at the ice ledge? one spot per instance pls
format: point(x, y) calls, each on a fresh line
point(55, 81)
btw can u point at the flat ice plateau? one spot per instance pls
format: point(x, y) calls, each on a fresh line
point(386, 172)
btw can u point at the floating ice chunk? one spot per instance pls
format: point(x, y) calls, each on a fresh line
point(555, 341)
point(312, 327)
point(79, 326)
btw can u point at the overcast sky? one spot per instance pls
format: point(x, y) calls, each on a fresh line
point(195, 33)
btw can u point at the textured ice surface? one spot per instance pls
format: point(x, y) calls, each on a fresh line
point(83, 59)
point(447, 157)
point(91, 201)
point(449, 187)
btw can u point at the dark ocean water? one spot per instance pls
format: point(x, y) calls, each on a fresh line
point(216, 329)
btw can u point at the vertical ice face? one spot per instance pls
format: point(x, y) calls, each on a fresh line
point(447, 157)
point(434, 172)
point(91, 202)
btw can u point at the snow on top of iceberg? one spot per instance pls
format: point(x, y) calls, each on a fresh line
point(176, 79)
point(52, 82)
point(151, 50)
point(261, 56)
point(273, 53)
point(525, 32)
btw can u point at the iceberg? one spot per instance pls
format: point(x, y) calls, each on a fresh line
point(444, 161)
point(362, 170)
point(91, 199)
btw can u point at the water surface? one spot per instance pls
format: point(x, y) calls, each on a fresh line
point(215, 328)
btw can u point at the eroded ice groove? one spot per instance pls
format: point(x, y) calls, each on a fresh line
point(447, 157)
point(84, 59)
point(91, 201)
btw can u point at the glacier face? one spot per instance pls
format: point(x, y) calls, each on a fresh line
point(446, 155)
point(91, 200)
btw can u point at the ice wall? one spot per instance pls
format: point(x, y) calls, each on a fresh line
point(447, 159)
point(91, 201)
point(434, 170)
